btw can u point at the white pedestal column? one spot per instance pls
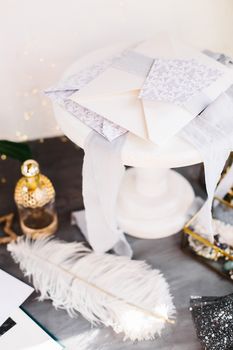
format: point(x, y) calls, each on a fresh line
point(153, 202)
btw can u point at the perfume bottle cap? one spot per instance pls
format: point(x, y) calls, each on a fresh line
point(30, 168)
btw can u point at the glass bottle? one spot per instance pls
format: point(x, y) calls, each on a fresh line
point(35, 199)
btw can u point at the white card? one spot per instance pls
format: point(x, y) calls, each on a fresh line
point(13, 293)
point(27, 335)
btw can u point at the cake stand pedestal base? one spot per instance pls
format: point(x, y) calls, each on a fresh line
point(153, 203)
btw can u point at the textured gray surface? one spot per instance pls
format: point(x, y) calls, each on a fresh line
point(62, 163)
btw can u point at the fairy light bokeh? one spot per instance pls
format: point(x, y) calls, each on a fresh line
point(53, 35)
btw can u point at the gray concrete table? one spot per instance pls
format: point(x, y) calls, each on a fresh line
point(61, 161)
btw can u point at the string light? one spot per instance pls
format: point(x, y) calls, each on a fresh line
point(3, 180)
point(3, 157)
point(34, 91)
point(21, 137)
point(24, 137)
point(63, 139)
point(28, 115)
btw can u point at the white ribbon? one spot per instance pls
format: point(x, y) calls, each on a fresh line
point(102, 174)
point(212, 134)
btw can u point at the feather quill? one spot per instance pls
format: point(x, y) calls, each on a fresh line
point(127, 295)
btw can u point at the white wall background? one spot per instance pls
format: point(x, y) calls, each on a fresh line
point(40, 38)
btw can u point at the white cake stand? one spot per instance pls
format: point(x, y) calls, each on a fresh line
point(153, 200)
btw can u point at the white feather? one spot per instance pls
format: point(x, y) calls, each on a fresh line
point(127, 295)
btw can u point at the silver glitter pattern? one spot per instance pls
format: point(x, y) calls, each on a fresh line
point(134, 63)
point(103, 126)
point(177, 80)
point(62, 92)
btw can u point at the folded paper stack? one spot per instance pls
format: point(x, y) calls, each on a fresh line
point(152, 89)
point(155, 90)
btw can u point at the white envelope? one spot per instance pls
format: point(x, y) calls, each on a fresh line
point(114, 93)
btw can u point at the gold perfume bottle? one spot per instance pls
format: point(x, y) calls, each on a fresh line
point(35, 199)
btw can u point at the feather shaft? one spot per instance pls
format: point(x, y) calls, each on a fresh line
point(146, 312)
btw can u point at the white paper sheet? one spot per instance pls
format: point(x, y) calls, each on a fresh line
point(13, 293)
point(26, 335)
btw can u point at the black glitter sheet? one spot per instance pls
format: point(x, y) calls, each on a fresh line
point(213, 319)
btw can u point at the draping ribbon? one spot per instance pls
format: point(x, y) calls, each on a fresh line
point(227, 182)
point(211, 133)
point(102, 174)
